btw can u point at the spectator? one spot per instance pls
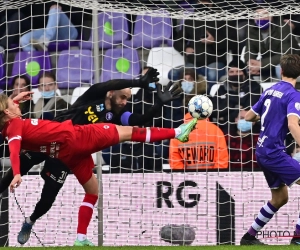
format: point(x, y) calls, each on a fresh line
point(59, 27)
point(205, 47)
point(206, 148)
point(241, 144)
point(20, 84)
point(238, 91)
point(173, 112)
point(49, 105)
point(191, 84)
point(271, 41)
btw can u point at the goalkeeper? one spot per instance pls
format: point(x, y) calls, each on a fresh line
point(102, 102)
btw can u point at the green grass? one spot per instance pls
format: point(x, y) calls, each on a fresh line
point(225, 247)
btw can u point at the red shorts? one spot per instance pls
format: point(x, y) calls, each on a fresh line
point(88, 139)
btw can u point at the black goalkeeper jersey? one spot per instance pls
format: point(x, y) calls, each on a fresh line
point(92, 112)
point(90, 107)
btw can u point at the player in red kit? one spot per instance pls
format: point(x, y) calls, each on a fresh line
point(72, 144)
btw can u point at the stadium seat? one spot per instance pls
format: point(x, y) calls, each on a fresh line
point(112, 31)
point(121, 63)
point(266, 85)
point(243, 55)
point(150, 32)
point(164, 59)
point(31, 64)
point(74, 67)
point(37, 94)
point(214, 89)
point(134, 91)
point(77, 92)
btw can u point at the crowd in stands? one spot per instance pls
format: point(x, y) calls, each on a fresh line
point(225, 141)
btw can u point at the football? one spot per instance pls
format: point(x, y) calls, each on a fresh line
point(200, 107)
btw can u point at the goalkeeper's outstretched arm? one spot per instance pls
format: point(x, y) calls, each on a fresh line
point(99, 90)
point(171, 92)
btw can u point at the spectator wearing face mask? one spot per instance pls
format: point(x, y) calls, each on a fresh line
point(191, 84)
point(241, 143)
point(238, 91)
point(271, 40)
point(173, 112)
point(50, 104)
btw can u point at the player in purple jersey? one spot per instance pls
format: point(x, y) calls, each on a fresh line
point(278, 109)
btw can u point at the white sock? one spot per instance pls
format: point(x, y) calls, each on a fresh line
point(29, 221)
point(177, 131)
point(81, 237)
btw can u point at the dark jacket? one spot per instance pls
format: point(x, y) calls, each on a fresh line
point(280, 41)
point(191, 34)
point(49, 108)
point(227, 101)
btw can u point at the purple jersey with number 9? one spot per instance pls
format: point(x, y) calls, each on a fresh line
point(274, 106)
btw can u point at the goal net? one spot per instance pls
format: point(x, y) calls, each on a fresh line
point(209, 190)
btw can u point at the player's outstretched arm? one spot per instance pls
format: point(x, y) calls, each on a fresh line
point(27, 161)
point(99, 90)
point(293, 124)
point(251, 116)
point(171, 92)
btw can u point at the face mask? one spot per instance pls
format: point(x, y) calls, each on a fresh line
point(243, 125)
point(152, 85)
point(262, 24)
point(236, 79)
point(187, 87)
point(297, 156)
point(48, 94)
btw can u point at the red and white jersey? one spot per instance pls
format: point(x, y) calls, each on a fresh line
point(35, 135)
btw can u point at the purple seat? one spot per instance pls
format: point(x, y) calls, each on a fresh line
point(74, 67)
point(62, 45)
point(31, 63)
point(121, 63)
point(150, 32)
point(112, 31)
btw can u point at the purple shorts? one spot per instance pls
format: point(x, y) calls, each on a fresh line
point(280, 170)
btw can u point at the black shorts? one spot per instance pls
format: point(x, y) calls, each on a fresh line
point(54, 171)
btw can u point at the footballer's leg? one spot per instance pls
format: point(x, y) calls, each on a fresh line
point(84, 173)
point(155, 134)
point(104, 135)
point(27, 160)
point(279, 172)
point(279, 198)
point(54, 174)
